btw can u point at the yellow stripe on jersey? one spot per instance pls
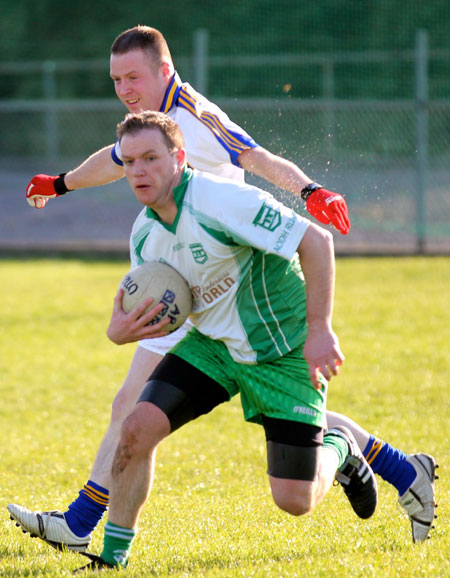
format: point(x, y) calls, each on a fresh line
point(210, 120)
point(213, 122)
point(221, 128)
point(187, 102)
point(170, 96)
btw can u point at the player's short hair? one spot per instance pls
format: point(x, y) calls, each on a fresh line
point(145, 38)
point(135, 122)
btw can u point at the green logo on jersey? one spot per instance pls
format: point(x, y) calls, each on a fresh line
point(198, 253)
point(268, 218)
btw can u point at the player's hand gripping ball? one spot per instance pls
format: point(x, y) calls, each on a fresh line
point(165, 285)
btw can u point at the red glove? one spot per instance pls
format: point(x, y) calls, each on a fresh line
point(327, 207)
point(41, 188)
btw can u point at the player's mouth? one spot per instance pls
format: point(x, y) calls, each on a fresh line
point(132, 103)
point(142, 187)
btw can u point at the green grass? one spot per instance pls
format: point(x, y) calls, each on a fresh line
point(211, 513)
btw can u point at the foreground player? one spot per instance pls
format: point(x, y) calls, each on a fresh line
point(252, 338)
point(144, 78)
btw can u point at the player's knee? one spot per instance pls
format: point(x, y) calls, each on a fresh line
point(144, 428)
point(293, 502)
point(294, 505)
point(131, 435)
point(293, 475)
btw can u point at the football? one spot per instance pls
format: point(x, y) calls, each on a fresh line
point(165, 285)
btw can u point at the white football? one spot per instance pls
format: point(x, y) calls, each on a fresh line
point(164, 284)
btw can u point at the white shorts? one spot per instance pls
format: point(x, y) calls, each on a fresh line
point(161, 345)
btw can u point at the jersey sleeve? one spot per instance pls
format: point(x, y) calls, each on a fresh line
point(116, 154)
point(208, 131)
point(249, 216)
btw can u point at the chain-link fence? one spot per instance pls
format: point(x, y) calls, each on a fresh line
point(389, 156)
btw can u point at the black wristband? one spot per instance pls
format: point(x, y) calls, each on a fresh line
point(309, 190)
point(60, 185)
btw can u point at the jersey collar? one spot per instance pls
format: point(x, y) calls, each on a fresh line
point(172, 92)
point(178, 195)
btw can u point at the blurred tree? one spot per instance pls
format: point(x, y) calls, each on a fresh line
point(53, 30)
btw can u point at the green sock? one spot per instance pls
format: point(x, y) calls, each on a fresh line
point(117, 544)
point(338, 444)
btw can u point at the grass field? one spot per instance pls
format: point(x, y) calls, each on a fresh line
point(211, 513)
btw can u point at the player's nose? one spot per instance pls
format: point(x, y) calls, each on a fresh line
point(138, 168)
point(122, 88)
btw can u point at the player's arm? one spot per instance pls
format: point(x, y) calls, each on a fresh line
point(326, 206)
point(98, 169)
point(321, 350)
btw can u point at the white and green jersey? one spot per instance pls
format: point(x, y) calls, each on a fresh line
point(236, 246)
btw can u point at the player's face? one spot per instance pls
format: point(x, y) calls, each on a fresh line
point(151, 169)
point(138, 84)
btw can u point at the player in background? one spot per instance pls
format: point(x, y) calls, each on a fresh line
point(269, 336)
point(145, 79)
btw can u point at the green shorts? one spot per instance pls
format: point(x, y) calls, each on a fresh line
point(280, 389)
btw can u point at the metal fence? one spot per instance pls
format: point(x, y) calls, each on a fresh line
point(390, 157)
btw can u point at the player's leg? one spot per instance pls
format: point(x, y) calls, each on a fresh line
point(302, 468)
point(134, 462)
point(84, 513)
point(176, 393)
point(412, 475)
point(72, 528)
point(298, 477)
point(143, 364)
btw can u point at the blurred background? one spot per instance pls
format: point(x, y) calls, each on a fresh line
point(356, 92)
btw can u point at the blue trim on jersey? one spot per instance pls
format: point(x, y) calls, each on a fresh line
point(114, 156)
point(172, 92)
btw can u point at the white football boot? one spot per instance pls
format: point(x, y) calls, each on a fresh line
point(50, 527)
point(418, 500)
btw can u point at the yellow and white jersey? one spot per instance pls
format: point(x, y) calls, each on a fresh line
point(213, 142)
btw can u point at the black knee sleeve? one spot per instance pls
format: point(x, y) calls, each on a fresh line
point(292, 462)
point(292, 449)
point(171, 400)
point(182, 391)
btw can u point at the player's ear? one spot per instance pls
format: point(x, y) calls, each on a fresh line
point(166, 69)
point(181, 157)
